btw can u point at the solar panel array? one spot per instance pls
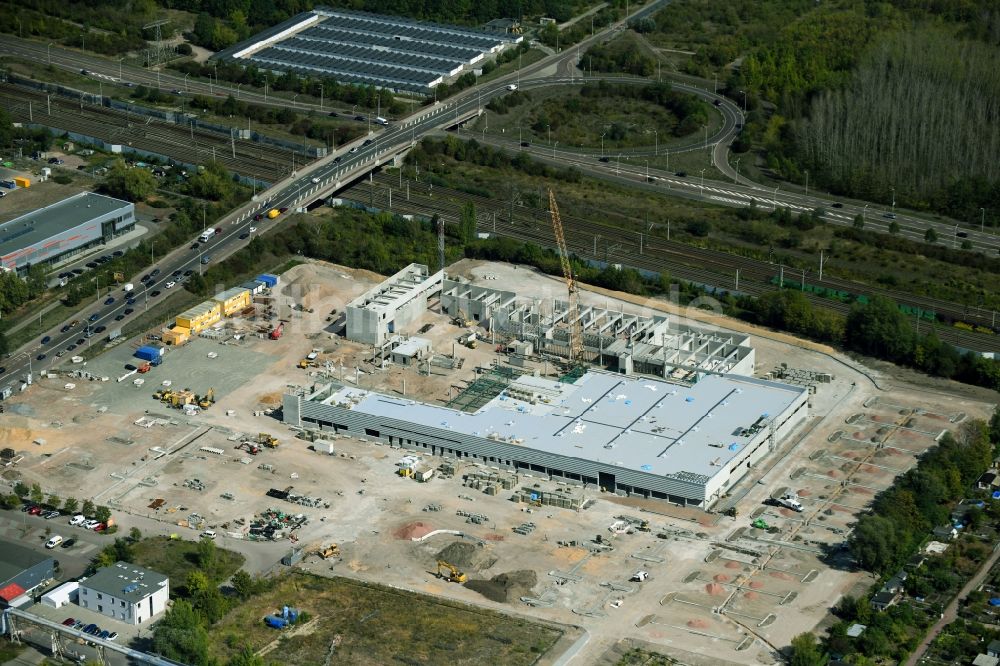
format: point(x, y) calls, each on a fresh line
point(388, 52)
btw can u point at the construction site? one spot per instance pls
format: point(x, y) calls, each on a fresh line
point(557, 451)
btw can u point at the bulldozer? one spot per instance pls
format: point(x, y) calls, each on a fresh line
point(270, 441)
point(454, 575)
point(643, 526)
point(208, 399)
point(333, 550)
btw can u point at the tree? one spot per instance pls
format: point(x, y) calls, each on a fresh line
point(70, 505)
point(102, 513)
point(54, 501)
point(197, 285)
point(930, 235)
point(246, 657)
point(806, 652)
point(207, 557)
point(36, 493)
point(88, 508)
point(243, 584)
point(894, 227)
point(4, 345)
point(135, 534)
point(181, 636)
point(467, 223)
point(879, 328)
point(21, 489)
point(133, 184)
point(859, 221)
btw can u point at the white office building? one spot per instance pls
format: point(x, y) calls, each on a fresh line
point(126, 592)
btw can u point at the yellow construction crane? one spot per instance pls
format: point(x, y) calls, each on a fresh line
point(454, 575)
point(573, 311)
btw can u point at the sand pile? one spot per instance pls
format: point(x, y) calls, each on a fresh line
point(721, 578)
point(506, 587)
point(781, 575)
point(465, 555)
point(750, 596)
point(715, 588)
point(756, 585)
point(413, 530)
point(802, 492)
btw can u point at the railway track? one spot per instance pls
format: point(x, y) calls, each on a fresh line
point(185, 144)
point(603, 242)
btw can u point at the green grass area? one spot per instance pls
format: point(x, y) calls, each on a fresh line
point(578, 122)
point(8, 650)
point(177, 558)
point(527, 58)
point(379, 625)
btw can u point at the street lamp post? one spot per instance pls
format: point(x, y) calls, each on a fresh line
point(618, 164)
point(736, 181)
point(807, 182)
point(238, 90)
point(982, 220)
point(656, 138)
point(554, 149)
point(703, 182)
point(186, 89)
point(294, 97)
point(602, 144)
point(864, 213)
point(549, 129)
point(121, 76)
point(48, 53)
point(893, 200)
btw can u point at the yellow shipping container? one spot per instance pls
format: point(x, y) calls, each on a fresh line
point(200, 317)
point(233, 300)
point(177, 336)
point(21, 181)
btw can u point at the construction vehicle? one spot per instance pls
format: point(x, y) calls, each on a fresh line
point(454, 575)
point(249, 447)
point(277, 330)
point(643, 526)
point(405, 472)
point(333, 550)
point(789, 502)
point(760, 524)
point(270, 441)
point(461, 319)
point(208, 399)
point(573, 314)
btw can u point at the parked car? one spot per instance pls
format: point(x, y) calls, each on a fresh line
point(90, 524)
point(64, 328)
point(54, 541)
point(100, 329)
point(128, 311)
point(170, 284)
point(112, 636)
point(49, 515)
point(109, 300)
point(154, 272)
point(35, 510)
point(119, 317)
point(40, 357)
point(94, 317)
point(104, 634)
point(46, 340)
point(244, 236)
point(68, 542)
point(155, 294)
point(69, 622)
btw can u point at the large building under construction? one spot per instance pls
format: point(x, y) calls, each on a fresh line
point(665, 410)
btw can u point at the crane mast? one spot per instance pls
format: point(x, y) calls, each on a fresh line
point(573, 312)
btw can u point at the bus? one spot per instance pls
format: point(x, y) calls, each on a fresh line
point(206, 235)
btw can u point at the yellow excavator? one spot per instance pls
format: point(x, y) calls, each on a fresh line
point(333, 550)
point(267, 440)
point(454, 575)
point(208, 399)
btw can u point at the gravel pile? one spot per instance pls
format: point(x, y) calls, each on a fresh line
point(506, 587)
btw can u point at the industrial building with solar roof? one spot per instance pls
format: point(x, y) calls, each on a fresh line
point(67, 227)
point(388, 52)
point(637, 435)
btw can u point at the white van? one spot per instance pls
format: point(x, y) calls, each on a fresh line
point(53, 542)
point(381, 121)
point(206, 235)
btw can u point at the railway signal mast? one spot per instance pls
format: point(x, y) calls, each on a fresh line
point(573, 311)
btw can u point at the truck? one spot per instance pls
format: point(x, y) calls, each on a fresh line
point(150, 354)
point(128, 287)
point(790, 502)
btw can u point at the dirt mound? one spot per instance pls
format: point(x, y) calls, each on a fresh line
point(413, 531)
point(494, 537)
point(715, 588)
point(465, 555)
point(698, 624)
point(506, 587)
point(781, 575)
point(750, 596)
point(720, 578)
point(270, 398)
point(733, 565)
point(756, 585)
point(802, 492)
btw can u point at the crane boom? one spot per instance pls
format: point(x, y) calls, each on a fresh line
point(573, 313)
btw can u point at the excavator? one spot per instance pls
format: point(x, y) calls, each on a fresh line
point(454, 575)
point(333, 550)
point(270, 441)
point(208, 399)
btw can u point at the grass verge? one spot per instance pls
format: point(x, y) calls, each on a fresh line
point(177, 558)
point(378, 625)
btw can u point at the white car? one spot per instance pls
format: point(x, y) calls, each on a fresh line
point(170, 284)
point(512, 86)
point(315, 180)
point(253, 230)
point(91, 524)
point(78, 519)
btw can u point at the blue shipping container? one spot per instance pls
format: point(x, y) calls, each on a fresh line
point(275, 622)
point(148, 353)
point(268, 279)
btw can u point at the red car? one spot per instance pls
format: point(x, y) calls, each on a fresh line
point(99, 527)
point(218, 230)
point(35, 510)
point(69, 622)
